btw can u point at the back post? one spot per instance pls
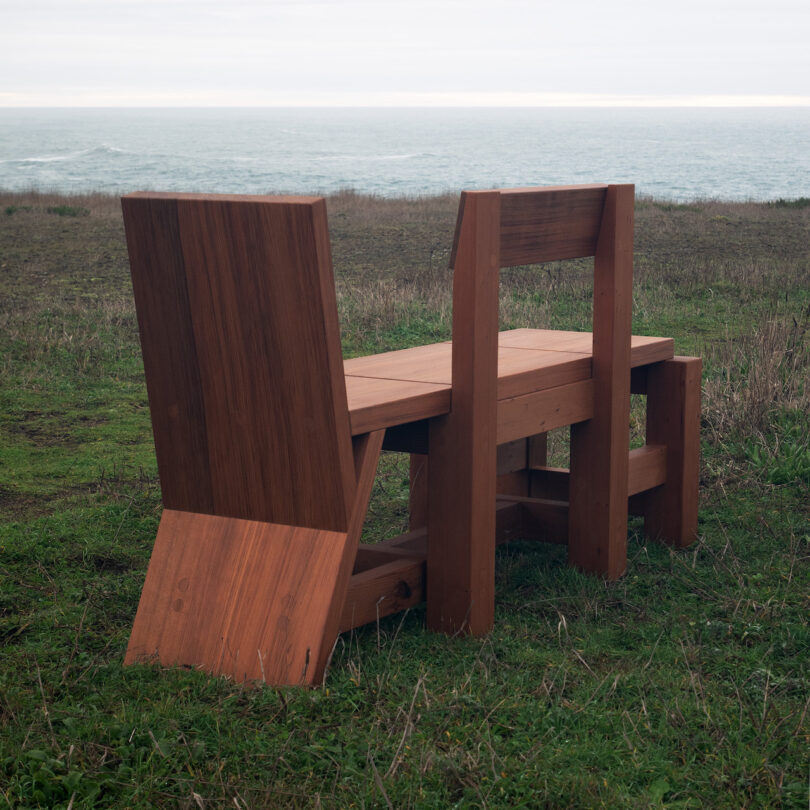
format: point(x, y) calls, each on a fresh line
point(461, 474)
point(599, 461)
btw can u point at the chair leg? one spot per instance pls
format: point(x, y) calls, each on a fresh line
point(249, 599)
point(240, 598)
point(461, 530)
point(673, 419)
point(597, 528)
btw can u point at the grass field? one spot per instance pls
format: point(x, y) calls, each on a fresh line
point(684, 685)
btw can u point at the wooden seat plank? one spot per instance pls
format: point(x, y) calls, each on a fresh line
point(402, 386)
point(644, 349)
point(375, 403)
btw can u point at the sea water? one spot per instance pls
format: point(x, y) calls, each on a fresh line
point(670, 153)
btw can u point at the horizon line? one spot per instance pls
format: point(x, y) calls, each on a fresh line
point(83, 98)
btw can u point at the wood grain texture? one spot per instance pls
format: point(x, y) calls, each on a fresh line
point(599, 446)
point(673, 419)
point(383, 590)
point(544, 410)
point(240, 598)
point(647, 468)
point(511, 456)
point(381, 403)
point(461, 494)
point(238, 320)
point(418, 499)
point(644, 349)
point(395, 388)
point(550, 224)
point(249, 599)
point(544, 224)
point(169, 353)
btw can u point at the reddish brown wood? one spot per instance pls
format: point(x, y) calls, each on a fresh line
point(673, 419)
point(418, 504)
point(647, 468)
point(511, 457)
point(511, 468)
point(258, 549)
point(366, 455)
point(514, 483)
point(396, 388)
point(541, 519)
point(376, 403)
point(599, 447)
point(551, 483)
point(382, 590)
point(238, 275)
point(545, 224)
point(252, 432)
point(461, 495)
point(537, 451)
point(544, 410)
point(242, 598)
point(169, 353)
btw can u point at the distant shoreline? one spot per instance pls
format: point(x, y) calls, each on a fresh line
point(44, 197)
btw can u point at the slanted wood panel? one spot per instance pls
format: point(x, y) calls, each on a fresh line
point(241, 598)
point(265, 394)
point(550, 224)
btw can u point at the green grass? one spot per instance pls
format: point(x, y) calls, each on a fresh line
point(684, 684)
point(68, 211)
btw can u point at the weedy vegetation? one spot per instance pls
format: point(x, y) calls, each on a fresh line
point(686, 684)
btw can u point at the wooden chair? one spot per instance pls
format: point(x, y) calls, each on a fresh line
point(265, 473)
point(267, 447)
point(509, 389)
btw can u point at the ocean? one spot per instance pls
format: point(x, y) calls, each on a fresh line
point(679, 154)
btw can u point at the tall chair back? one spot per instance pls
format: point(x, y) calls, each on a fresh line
point(241, 348)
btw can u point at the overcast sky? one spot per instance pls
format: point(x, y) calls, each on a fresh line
point(411, 52)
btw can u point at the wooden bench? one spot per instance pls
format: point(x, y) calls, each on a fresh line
point(267, 442)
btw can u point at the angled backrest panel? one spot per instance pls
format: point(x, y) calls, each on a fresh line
point(238, 320)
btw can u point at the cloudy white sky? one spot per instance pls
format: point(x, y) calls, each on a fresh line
point(403, 52)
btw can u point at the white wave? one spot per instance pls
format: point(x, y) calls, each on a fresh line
point(93, 150)
point(360, 158)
